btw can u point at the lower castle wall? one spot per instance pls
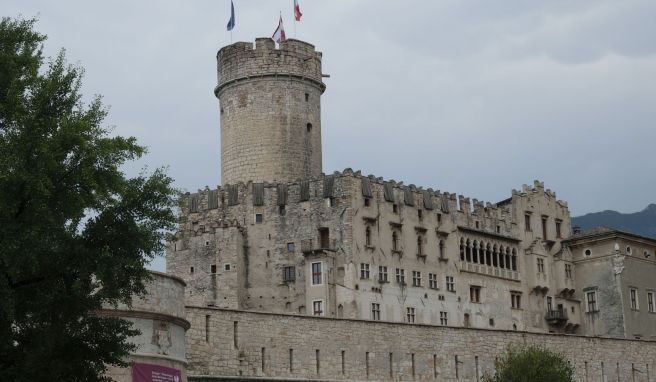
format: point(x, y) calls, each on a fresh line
point(251, 344)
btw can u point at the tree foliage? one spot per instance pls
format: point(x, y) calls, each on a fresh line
point(75, 231)
point(531, 364)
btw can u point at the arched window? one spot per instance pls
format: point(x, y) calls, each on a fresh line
point(420, 246)
point(462, 249)
point(514, 259)
point(468, 251)
point(495, 256)
point(508, 258)
point(367, 236)
point(488, 255)
point(441, 249)
point(395, 241)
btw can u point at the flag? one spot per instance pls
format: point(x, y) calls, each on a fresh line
point(231, 22)
point(279, 34)
point(297, 11)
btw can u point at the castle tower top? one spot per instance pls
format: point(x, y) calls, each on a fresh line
point(270, 111)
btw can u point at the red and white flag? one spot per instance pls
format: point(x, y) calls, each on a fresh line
point(279, 34)
point(297, 11)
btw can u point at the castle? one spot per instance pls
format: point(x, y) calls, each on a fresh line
point(295, 274)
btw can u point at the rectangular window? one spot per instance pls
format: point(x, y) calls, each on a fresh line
point(450, 285)
point(382, 274)
point(375, 311)
point(516, 300)
point(591, 299)
point(410, 314)
point(367, 202)
point(317, 277)
point(545, 219)
point(400, 276)
point(527, 222)
point(364, 270)
point(540, 263)
point(420, 214)
point(650, 301)
point(317, 307)
point(395, 208)
point(259, 218)
point(416, 278)
point(568, 271)
point(282, 210)
point(439, 218)
point(289, 274)
point(558, 225)
point(432, 280)
point(633, 294)
point(213, 269)
point(549, 303)
point(498, 229)
point(290, 247)
point(444, 318)
point(474, 293)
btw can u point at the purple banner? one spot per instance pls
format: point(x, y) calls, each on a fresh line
point(143, 372)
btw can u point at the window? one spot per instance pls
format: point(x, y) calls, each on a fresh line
point(289, 274)
point(382, 274)
point(549, 303)
point(395, 208)
point(498, 229)
point(439, 218)
point(450, 285)
point(308, 127)
point(317, 307)
point(633, 294)
point(568, 271)
point(400, 276)
point(364, 270)
point(395, 241)
point(420, 214)
point(375, 311)
point(367, 236)
point(258, 218)
point(367, 202)
point(410, 314)
point(516, 300)
point(226, 267)
point(290, 247)
point(213, 268)
point(540, 263)
point(307, 97)
point(527, 222)
point(432, 280)
point(420, 246)
point(650, 302)
point(316, 274)
point(477, 224)
point(416, 278)
point(628, 250)
point(558, 225)
point(545, 219)
point(444, 318)
point(588, 252)
point(475, 294)
point(191, 270)
point(591, 299)
point(282, 210)
point(441, 245)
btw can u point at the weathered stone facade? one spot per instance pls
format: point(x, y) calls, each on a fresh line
point(407, 283)
point(291, 347)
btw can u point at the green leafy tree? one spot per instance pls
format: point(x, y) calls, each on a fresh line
point(75, 231)
point(530, 364)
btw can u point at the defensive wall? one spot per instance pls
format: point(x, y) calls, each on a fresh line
point(240, 345)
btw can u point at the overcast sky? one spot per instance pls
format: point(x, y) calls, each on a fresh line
point(471, 97)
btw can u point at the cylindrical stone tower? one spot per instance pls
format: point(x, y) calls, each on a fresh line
point(270, 111)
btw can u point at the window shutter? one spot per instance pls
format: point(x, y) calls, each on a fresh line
point(258, 194)
point(233, 194)
point(328, 183)
point(213, 199)
point(388, 192)
point(445, 204)
point(305, 191)
point(193, 202)
point(282, 194)
point(408, 198)
point(428, 200)
point(366, 188)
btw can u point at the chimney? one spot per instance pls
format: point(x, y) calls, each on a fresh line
point(576, 229)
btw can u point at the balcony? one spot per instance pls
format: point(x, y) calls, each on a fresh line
point(489, 270)
point(310, 247)
point(556, 317)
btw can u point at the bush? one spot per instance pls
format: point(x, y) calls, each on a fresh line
point(531, 364)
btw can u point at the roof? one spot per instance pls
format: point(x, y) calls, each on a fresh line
point(605, 231)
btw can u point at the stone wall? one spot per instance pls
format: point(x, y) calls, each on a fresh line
point(250, 344)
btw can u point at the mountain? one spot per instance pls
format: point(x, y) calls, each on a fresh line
point(641, 223)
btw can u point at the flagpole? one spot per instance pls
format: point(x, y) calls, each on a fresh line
point(294, 16)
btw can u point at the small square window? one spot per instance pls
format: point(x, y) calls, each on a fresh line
point(226, 267)
point(367, 202)
point(475, 294)
point(333, 202)
point(290, 247)
point(259, 218)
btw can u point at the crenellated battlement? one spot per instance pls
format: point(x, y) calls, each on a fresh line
point(246, 61)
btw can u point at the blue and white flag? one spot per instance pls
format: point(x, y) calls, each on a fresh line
point(231, 22)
